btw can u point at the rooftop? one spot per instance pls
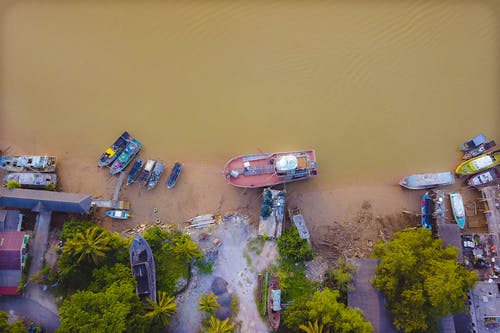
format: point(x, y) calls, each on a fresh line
point(484, 301)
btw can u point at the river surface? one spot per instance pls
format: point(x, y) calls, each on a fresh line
point(380, 89)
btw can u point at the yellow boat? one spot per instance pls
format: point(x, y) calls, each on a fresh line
point(478, 164)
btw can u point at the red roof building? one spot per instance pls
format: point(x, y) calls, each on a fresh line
point(12, 260)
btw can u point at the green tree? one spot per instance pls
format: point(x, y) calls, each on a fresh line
point(313, 327)
point(186, 248)
point(117, 309)
point(323, 307)
point(161, 312)
point(421, 280)
point(215, 325)
point(293, 248)
point(16, 327)
point(105, 276)
point(71, 228)
point(13, 184)
point(208, 303)
point(89, 246)
point(340, 278)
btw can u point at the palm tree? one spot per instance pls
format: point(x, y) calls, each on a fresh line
point(162, 311)
point(217, 326)
point(208, 303)
point(89, 246)
point(186, 248)
point(313, 327)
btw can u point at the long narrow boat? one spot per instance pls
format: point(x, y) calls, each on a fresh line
point(474, 142)
point(34, 180)
point(426, 210)
point(155, 175)
point(485, 178)
point(134, 171)
point(479, 163)
point(26, 163)
point(274, 302)
point(481, 149)
point(259, 170)
point(142, 264)
point(427, 180)
point(146, 172)
point(126, 156)
point(174, 175)
point(118, 214)
point(114, 150)
point(457, 206)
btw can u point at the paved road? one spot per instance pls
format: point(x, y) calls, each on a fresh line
point(29, 309)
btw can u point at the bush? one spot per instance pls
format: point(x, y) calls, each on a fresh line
point(294, 249)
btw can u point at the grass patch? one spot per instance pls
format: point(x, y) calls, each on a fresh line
point(256, 245)
point(247, 257)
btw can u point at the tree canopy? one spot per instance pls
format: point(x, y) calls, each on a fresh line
point(421, 280)
point(292, 248)
point(16, 327)
point(323, 307)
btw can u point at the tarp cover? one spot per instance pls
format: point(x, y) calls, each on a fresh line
point(286, 163)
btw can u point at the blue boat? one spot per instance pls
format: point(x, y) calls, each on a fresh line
point(146, 172)
point(473, 143)
point(112, 153)
point(174, 175)
point(134, 172)
point(155, 175)
point(457, 206)
point(118, 214)
point(142, 263)
point(426, 207)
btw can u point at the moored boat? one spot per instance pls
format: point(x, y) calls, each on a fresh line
point(457, 206)
point(174, 175)
point(118, 214)
point(134, 171)
point(474, 142)
point(426, 210)
point(479, 163)
point(128, 154)
point(155, 175)
point(485, 178)
point(482, 148)
point(33, 180)
point(146, 172)
point(26, 163)
point(427, 180)
point(274, 302)
point(114, 150)
point(142, 264)
point(260, 170)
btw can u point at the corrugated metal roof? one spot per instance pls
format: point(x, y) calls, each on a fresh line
point(45, 200)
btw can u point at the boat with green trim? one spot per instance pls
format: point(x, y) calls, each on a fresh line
point(479, 163)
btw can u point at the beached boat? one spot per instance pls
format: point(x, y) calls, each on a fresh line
point(118, 214)
point(134, 171)
point(457, 206)
point(114, 150)
point(481, 149)
point(473, 143)
point(479, 163)
point(427, 180)
point(274, 302)
point(26, 163)
point(126, 156)
point(146, 172)
point(142, 264)
point(485, 178)
point(34, 180)
point(261, 170)
point(174, 175)
point(155, 175)
point(426, 210)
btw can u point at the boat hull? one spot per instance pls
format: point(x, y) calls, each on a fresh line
point(135, 171)
point(174, 175)
point(473, 143)
point(118, 214)
point(457, 206)
point(128, 154)
point(481, 149)
point(155, 175)
point(262, 170)
point(26, 163)
point(112, 153)
point(479, 163)
point(143, 268)
point(485, 178)
point(427, 180)
point(274, 310)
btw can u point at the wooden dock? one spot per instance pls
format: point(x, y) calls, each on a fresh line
point(113, 203)
point(491, 199)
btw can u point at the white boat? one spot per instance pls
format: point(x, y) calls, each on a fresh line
point(427, 180)
point(457, 206)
